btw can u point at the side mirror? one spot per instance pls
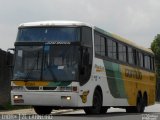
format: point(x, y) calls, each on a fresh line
point(9, 57)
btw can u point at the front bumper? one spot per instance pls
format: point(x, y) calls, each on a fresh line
point(57, 99)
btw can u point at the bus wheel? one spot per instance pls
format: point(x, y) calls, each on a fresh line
point(97, 104)
point(139, 108)
point(145, 99)
point(140, 104)
point(42, 110)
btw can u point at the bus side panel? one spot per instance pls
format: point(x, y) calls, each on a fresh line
point(115, 84)
point(138, 80)
point(99, 78)
point(124, 83)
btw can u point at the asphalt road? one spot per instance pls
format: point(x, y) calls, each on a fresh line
point(151, 113)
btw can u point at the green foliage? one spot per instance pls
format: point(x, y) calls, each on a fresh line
point(155, 46)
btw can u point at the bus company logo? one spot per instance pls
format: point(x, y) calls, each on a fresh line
point(99, 68)
point(149, 117)
point(58, 43)
point(133, 74)
point(84, 96)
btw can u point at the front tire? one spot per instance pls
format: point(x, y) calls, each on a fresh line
point(42, 110)
point(97, 104)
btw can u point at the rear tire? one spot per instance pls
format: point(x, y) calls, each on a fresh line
point(139, 108)
point(140, 104)
point(145, 99)
point(42, 110)
point(97, 104)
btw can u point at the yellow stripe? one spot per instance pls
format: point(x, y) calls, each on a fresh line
point(30, 83)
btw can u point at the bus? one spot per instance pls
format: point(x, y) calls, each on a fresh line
point(74, 65)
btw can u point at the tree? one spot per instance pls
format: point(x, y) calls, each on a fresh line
point(155, 46)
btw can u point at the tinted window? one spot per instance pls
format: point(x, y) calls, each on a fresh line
point(87, 36)
point(135, 57)
point(86, 55)
point(141, 59)
point(112, 49)
point(122, 52)
point(147, 62)
point(99, 45)
point(42, 34)
point(130, 55)
point(102, 46)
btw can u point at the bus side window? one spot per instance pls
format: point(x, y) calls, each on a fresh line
point(86, 55)
point(87, 36)
point(147, 62)
point(130, 55)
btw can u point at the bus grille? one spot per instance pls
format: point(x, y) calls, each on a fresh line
point(49, 88)
point(32, 88)
point(41, 88)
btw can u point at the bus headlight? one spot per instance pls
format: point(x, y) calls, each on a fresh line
point(66, 97)
point(18, 99)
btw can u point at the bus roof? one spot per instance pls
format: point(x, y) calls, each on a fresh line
point(77, 23)
point(53, 23)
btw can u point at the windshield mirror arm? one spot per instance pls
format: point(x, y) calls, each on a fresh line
point(9, 61)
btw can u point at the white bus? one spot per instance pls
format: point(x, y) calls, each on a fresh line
point(68, 64)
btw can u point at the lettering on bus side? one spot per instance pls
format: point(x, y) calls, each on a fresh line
point(99, 68)
point(133, 74)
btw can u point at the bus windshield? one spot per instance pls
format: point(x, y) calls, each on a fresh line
point(57, 63)
point(43, 34)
